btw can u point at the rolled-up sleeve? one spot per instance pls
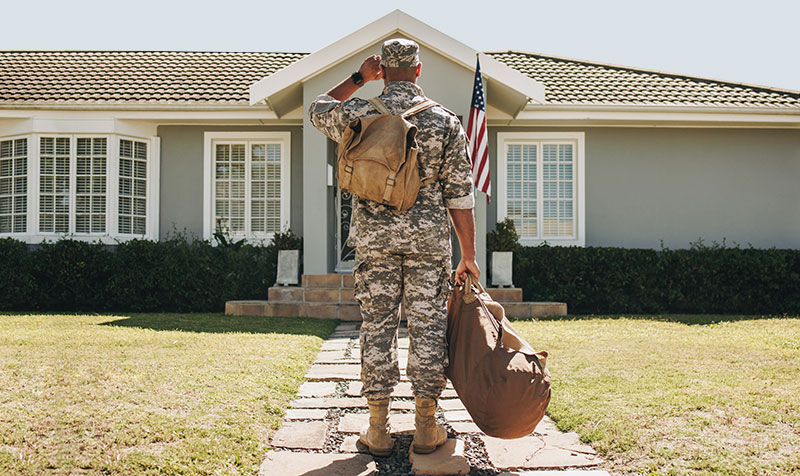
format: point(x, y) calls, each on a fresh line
point(456, 172)
point(326, 115)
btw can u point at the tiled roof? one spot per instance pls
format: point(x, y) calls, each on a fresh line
point(216, 78)
point(134, 77)
point(570, 81)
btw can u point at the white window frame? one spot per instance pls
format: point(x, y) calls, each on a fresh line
point(284, 139)
point(111, 235)
point(579, 203)
point(30, 180)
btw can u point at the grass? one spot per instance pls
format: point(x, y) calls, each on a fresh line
point(146, 394)
point(678, 395)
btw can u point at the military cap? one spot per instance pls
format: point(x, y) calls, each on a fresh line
point(399, 53)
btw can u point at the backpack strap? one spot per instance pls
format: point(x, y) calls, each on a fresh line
point(426, 104)
point(429, 180)
point(379, 105)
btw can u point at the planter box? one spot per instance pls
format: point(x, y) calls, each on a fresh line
point(502, 268)
point(288, 267)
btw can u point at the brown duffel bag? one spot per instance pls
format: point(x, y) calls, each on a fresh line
point(502, 381)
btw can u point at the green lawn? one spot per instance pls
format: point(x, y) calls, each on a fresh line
point(201, 393)
point(662, 397)
point(178, 394)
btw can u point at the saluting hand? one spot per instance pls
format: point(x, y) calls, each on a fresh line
point(371, 68)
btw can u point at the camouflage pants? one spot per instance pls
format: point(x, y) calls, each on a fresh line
point(422, 282)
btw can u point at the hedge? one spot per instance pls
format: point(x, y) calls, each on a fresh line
point(175, 275)
point(178, 275)
point(702, 279)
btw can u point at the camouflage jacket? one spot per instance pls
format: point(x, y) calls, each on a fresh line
point(425, 228)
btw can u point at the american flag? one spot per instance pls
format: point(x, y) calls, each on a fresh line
point(476, 133)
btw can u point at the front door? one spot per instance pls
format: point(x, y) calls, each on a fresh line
point(344, 254)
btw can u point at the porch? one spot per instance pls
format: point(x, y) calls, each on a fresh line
point(330, 296)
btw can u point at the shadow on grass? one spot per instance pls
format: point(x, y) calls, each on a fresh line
point(221, 323)
point(691, 319)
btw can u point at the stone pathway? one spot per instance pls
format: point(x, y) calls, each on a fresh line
point(319, 436)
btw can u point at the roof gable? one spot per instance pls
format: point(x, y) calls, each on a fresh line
point(511, 90)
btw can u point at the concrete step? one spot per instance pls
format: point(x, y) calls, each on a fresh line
point(349, 311)
point(505, 294)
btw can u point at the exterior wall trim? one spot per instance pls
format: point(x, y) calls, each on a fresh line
point(285, 138)
point(580, 176)
point(111, 236)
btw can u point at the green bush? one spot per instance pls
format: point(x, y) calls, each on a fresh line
point(504, 237)
point(174, 275)
point(701, 279)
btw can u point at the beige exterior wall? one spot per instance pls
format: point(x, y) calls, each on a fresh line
point(181, 186)
point(644, 185)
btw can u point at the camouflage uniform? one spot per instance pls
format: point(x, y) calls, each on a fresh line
point(405, 257)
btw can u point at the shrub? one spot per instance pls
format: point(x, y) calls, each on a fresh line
point(702, 279)
point(286, 240)
point(174, 275)
point(504, 237)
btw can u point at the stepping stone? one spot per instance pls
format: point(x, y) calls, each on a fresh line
point(333, 373)
point(449, 393)
point(545, 472)
point(464, 427)
point(402, 390)
point(286, 463)
point(346, 326)
point(568, 441)
point(337, 361)
point(330, 355)
point(352, 445)
point(317, 389)
point(305, 414)
point(533, 452)
point(547, 427)
point(447, 459)
point(354, 389)
point(451, 404)
point(458, 415)
point(301, 435)
point(353, 422)
point(402, 405)
point(336, 344)
point(331, 402)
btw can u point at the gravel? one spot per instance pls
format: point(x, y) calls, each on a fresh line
point(397, 464)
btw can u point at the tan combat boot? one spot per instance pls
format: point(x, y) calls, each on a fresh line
point(375, 436)
point(429, 435)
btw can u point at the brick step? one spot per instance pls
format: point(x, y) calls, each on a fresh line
point(315, 294)
point(341, 311)
point(350, 311)
point(333, 280)
point(330, 294)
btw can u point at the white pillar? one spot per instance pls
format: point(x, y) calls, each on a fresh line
point(315, 199)
point(480, 234)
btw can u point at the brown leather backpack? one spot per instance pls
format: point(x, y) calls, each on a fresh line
point(503, 383)
point(377, 157)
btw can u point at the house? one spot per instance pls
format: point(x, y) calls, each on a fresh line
point(114, 145)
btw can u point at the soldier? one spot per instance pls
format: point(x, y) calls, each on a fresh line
point(405, 257)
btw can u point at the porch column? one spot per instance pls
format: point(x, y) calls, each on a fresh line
point(315, 199)
point(480, 234)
